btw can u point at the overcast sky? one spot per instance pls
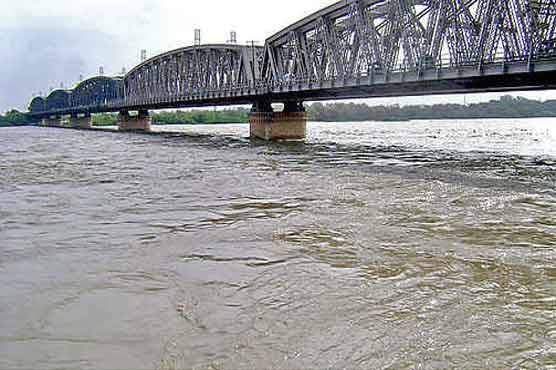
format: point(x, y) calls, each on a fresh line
point(46, 43)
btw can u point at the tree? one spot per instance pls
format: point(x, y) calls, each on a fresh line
point(15, 118)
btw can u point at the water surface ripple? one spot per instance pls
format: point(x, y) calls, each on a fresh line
point(421, 245)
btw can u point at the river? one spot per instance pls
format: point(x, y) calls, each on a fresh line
point(410, 245)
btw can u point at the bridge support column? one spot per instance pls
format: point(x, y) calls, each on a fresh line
point(141, 122)
point(52, 121)
point(291, 124)
point(84, 122)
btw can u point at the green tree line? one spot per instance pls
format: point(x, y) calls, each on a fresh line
point(14, 118)
point(506, 107)
point(240, 115)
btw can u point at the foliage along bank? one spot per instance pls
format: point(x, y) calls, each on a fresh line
point(239, 115)
point(14, 118)
point(506, 107)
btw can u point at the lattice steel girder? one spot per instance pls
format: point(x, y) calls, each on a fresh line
point(193, 70)
point(37, 105)
point(97, 91)
point(357, 37)
point(58, 99)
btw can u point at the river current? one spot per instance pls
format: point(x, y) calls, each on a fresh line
point(411, 245)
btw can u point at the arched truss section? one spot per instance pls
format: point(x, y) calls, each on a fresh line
point(192, 70)
point(97, 91)
point(58, 99)
point(37, 105)
point(358, 37)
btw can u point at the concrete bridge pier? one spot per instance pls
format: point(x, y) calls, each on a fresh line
point(52, 121)
point(141, 122)
point(290, 124)
point(81, 122)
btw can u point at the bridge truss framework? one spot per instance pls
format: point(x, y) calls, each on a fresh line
point(351, 49)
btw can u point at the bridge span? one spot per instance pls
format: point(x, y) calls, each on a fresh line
point(351, 49)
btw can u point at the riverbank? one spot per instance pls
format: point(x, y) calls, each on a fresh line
point(240, 115)
point(506, 107)
point(14, 118)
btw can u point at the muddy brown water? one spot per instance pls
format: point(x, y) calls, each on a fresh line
point(420, 245)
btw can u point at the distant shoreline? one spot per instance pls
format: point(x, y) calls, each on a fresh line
point(507, 107)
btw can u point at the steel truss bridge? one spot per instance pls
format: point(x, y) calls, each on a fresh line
point(351, 49)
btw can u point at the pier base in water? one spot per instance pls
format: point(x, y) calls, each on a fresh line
point(53, 121)
point(141, 122)
point(84, 122)
point(291, 124)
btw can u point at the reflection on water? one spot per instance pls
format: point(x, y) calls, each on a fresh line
point(422, 245)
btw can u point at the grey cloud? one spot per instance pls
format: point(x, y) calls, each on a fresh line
point(35, 59)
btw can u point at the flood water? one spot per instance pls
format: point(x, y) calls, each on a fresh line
point(415, 245)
